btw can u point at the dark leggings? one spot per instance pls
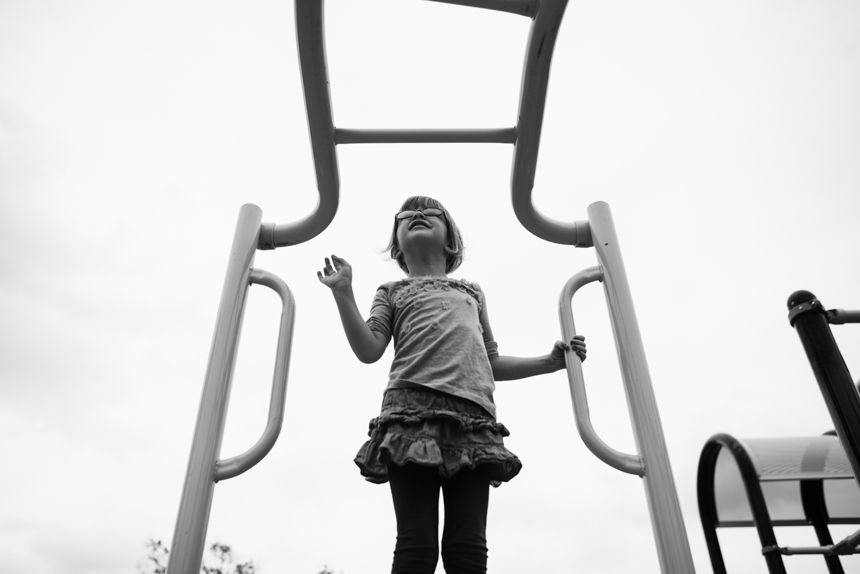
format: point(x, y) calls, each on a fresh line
point(415, 491)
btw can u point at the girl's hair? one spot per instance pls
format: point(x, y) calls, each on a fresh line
point(454, 248)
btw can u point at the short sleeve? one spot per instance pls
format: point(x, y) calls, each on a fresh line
point(489, 343)
point(381, 314)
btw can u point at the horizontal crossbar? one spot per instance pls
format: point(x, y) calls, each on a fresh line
point(785, 522)
point(841, 316)
point(750, 523)
point(521, 7)
point(800, 475)
point(830, 550)
point(502, 135)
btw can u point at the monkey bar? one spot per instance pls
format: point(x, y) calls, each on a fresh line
point(525, 136)
point(651, 462)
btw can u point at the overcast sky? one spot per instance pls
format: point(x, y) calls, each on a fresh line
point(724, 135)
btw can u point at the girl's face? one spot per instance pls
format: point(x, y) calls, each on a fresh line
point(417, 232)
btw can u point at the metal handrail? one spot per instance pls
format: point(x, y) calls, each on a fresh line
point(236, 465)
point(673, 547)
point(629, 463)
point(203, 468)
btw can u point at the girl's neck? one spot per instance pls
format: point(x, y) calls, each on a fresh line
point(426, 268)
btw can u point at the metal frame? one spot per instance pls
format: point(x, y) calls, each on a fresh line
point(204, 468)
point(652, 464)
point(811, 497)
point(525, 136)
point(812, 323)
point(708, 505)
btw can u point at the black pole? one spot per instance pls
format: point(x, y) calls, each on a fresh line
point(815, 510)
point(809, 319)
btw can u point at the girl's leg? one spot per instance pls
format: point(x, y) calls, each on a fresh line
point(415, 492)
point(464, 539)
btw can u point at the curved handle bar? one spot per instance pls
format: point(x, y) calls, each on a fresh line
point(631, 464)
point(577, 233)
point(236, 465)
point(312, 61)
point(274, 235)
point(533, 88)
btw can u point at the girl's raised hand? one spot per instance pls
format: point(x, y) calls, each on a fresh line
point(337, 273)
point(577, 344)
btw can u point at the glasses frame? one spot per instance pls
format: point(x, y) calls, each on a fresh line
point(400, 215)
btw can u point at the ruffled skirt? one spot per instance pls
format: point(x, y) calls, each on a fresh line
point(434, 429)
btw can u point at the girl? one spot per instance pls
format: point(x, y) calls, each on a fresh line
point(437, 429)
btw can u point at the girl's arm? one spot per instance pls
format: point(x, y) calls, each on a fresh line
point(367, 344)
point(510, 368)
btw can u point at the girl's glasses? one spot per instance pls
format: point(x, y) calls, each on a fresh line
point(426, 212)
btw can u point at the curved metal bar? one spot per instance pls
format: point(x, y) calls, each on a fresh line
point(629, 463)
point(542, 36)
point(500, 135)
point(706, 496)
point(236, 465)
point(762, 519)
point(312, 61)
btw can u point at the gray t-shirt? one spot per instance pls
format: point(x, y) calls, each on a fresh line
point(442, 337)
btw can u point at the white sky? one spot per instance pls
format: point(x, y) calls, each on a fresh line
point(725, 136)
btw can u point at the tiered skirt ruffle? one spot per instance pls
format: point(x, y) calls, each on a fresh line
point(434, 429)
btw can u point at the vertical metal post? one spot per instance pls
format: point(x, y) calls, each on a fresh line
point(673, 547)
point(809, 319)
point(189, 535)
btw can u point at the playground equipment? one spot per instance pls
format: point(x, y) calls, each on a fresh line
point(204, 468)
point(792, 481)
point(651, 463)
